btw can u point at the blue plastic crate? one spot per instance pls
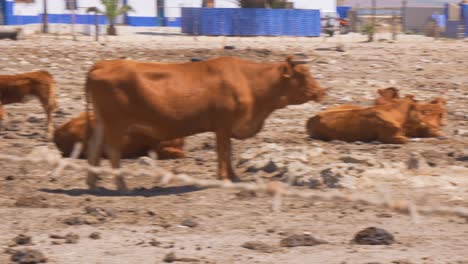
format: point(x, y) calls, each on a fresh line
point(343, 11)
point(250, 22)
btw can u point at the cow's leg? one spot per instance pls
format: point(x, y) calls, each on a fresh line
point(2, 113)
point(95, 153)
point(114, 146)
point(114, 154)
point(223, 148)
point(397, 137)
point(49, 110)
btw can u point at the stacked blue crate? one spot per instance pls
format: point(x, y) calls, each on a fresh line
point(343, 11)
point(464, 8)
point(288, 26)
point(314, 26)
point(262, 22)
point(250, 22)
point(276, 23)
point(247, 21)
point(187, 20)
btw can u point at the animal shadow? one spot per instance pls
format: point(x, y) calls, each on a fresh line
point(153, 192)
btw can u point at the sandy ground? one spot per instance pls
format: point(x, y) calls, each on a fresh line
point(211, 225)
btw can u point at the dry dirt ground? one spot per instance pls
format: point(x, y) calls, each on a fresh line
point(211, 225)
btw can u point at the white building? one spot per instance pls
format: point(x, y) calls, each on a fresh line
point(146, 12)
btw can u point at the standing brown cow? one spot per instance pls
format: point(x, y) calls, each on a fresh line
point(17, 89)
point(228, 96)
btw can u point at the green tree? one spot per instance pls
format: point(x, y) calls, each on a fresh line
point(112, 10)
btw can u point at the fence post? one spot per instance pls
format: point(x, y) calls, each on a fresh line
point(45, 18)
point(374, 24)
point(404, 4)
point(73, 21)
point(96, 25)
point(394, 26)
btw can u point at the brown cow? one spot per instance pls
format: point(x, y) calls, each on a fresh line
point(228, 96)
point(433, 114)
point(19, 88)
point(135, 144)
point(384, 123)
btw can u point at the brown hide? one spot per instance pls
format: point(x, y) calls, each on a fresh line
point(433, 114)
point(228, 96)
point(135, 144)
point(17, 89)
point(383, 123)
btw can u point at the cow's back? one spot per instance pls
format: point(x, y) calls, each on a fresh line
point(360, 124)
point(180, 99)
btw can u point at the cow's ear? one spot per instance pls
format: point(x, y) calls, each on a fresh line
point(410, 96)
point(380, 91)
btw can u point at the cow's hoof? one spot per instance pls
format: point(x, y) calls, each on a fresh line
point(231, 180)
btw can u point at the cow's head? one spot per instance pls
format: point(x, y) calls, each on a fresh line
point(387, 95)
point(432, 115)
point(424, 120)
point(441, 102)
point(300, 85)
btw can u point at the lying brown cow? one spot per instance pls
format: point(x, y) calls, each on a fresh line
point(383, 123)
point(135, 144)
point(19, 88)
point(228, 96)
point(433, 114)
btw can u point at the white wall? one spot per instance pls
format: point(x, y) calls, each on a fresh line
point(84, 4)
point(172, 7)
point(143, 8)
point(226, 4)
point(25, 9)
point(322, 5)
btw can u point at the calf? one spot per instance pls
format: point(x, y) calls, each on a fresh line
point(384, 123)
point(228, 96)
point(433, 114)
point(18, 88)
point(135, 143)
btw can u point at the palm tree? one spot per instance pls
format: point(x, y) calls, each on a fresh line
point(112, 11)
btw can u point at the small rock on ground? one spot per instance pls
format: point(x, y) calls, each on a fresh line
point(171, 257)
point(373, 236)
point(95, 235)
point(189, 223)
point(28, 256)
point(301, 240)
point(259, 246)
point(22, 240)
point(71, 238)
